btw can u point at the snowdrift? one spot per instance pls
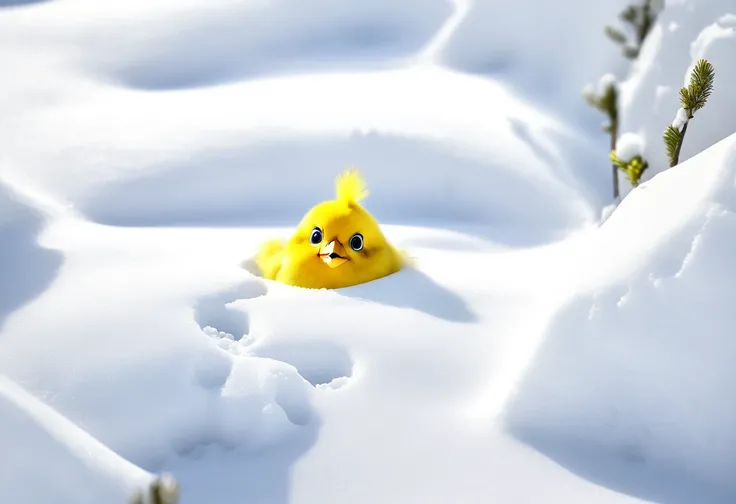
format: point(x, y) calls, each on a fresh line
point(54, 459)
point(503, 41)
point(635, 365)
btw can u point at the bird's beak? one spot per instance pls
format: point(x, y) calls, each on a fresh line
point(333, 254)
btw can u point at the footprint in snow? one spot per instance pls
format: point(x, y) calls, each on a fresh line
point(322, 363)
point(224, 317)
point(215, 313)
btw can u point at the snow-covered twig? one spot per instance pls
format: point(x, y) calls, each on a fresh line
point(641, 18)
point(605, 99)
point(693, 98)
point(164, 489)
point(628, 157)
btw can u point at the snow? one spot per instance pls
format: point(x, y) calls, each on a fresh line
point(680, 120)
point(629, 145)
point(598, 91)
point(606, 81)
point(531, 353)
point(635, 367)
point(494, 34)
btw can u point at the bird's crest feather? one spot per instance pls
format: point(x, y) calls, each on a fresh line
point(350, 186)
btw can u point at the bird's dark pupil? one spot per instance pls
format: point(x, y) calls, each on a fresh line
point(356, 242)
point(316, 236)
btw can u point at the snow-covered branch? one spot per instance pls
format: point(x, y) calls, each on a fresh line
point(164, 489)
point(604, 97)
point(693, 98)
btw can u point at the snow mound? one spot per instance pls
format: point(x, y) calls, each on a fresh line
point(684, 32)
point(209, 43)
point(54, 459)
point(503, 40)
point(630, 368)
point(629, 145)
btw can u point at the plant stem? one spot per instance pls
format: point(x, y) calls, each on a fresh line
point(676, 157)
point(614, 135)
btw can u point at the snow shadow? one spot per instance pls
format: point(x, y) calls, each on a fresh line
point(412, 182)
point(44, 442)
point(239, 476)
point(224, 45)
point(617, 396)
point(26, 269)
point(413, 289)
point(318, 362)
point(18, 3)
point(213, 311)
point(408, 288)
point(187, 62)
point(626, 471)
point(560, 153)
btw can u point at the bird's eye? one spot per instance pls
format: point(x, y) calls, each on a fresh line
point(316, 236)
point(356, 242)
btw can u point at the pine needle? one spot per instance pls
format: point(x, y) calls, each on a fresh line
point(700, 88)
point(693, 98)
point(615, 35)
point(672, 138)
point(633, 169)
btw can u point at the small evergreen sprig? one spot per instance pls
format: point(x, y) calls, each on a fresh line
point(693, 98)
point(641, 19)
point(640, 16)
point(164, 489)
point(607, 102)
point(634, 168)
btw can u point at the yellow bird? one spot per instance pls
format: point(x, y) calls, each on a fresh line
point(337, 244)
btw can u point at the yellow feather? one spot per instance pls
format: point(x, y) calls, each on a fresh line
point(350, 186)
point(269, 257)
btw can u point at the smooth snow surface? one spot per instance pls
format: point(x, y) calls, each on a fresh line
point(531, 355)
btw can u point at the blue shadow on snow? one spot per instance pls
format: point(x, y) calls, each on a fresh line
point(26, 269)
point(413, 289)
point(408, 288)
point(239, 476)
point(624, 463)
point(625, 471)
point(234, 180)
point(18, 3)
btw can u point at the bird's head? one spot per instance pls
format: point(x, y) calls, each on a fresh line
point(341, 242)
